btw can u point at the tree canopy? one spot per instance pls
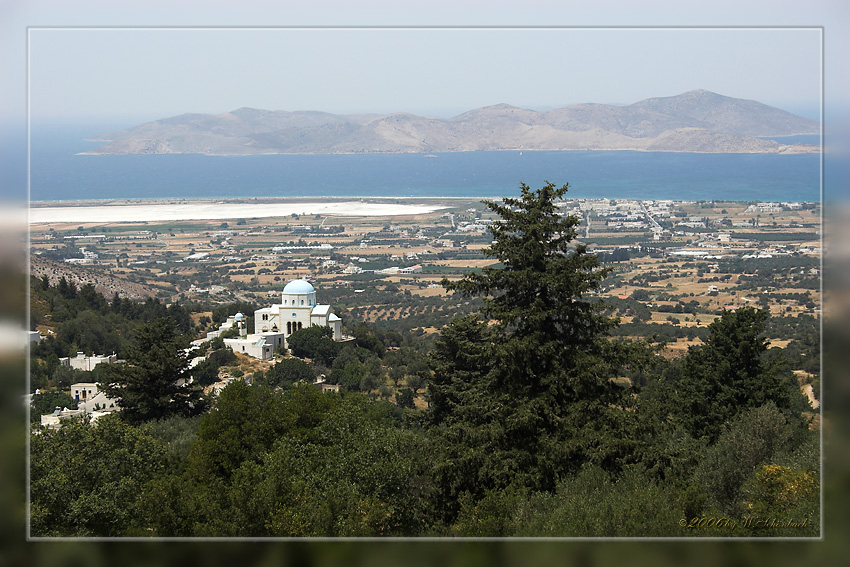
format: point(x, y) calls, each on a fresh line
point(729, 374)
point(87, 478)
point(287, 372)
point(148, 385)
point(314, 342)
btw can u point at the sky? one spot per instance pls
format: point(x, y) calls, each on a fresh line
point(97, 74)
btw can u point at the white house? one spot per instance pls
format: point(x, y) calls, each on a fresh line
point(90, 398)
point(82, 391)
point(87, 363)
point(54, 420)
point(230, 323)
point(260, 346)
point(90, 401)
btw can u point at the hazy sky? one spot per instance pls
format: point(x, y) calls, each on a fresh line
point(154, 73)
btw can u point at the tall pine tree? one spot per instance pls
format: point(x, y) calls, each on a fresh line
point(525, 395)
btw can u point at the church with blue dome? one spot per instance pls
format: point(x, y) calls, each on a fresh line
point(273, 325)
point(298, 308)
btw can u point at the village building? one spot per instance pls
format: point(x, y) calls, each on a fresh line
point(764, 208)
point(257, 345)
point(82, 391)
point(88, 258)
point(90, 397)
point(91, 401)
point(261, 347)
point(87, 363)
point(54, 420)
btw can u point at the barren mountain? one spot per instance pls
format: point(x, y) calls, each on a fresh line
point(696, 121)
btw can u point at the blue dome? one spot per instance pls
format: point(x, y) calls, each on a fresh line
point(238, 316)
point(298, 287)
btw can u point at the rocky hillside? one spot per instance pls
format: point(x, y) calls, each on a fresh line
point(105, 284)
point(696, 121)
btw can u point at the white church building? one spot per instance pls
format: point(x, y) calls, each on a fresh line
point(273, 325)
point(298, 309)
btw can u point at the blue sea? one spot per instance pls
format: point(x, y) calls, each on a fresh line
point(58, 174)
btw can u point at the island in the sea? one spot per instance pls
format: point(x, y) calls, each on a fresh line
point(698, 121)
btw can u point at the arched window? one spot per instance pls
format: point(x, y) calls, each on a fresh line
point(302, 302)
point(289, 327)
point(299, 325)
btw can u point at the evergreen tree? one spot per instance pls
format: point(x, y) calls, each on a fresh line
point(728, 375)
point(147, 384)
point(530, 397)
point(538, 297)
point(460, 359)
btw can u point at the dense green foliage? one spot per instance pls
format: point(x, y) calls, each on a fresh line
point(531, 399)
point(287, 372)
point(86, 480)
point(315, 343)
point(89, 322)
point(86, 322)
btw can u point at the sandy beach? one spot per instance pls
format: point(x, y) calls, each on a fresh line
point(214, 211)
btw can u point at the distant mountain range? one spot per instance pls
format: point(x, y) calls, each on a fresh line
point(696, 121)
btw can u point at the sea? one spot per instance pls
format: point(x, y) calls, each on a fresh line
point(58, 173)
